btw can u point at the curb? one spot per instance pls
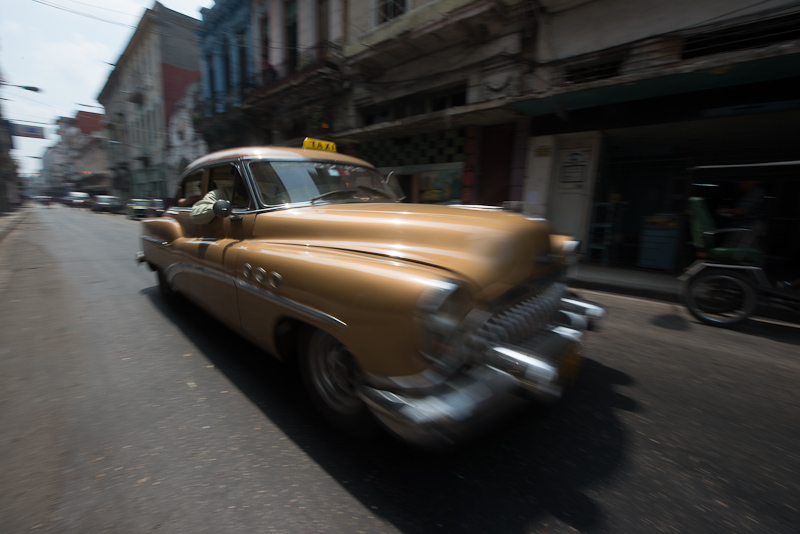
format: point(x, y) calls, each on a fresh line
point(633, 291)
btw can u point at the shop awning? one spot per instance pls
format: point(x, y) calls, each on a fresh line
point(747, 165)
point(675, 81)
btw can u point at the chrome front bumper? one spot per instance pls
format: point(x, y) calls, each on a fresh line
point(504, 377)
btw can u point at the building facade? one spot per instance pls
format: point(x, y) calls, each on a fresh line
point(599, 115)
point(270, 70)
point(628, 119)
point(431, 84)
point(185, 143)
point(370, 76)
point(151, 76)
point(227, 64)
point(82, 163)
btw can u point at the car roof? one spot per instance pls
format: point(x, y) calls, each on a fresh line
point(276, 153)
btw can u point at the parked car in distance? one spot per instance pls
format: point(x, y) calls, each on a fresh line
point(156, 208)
point(429, 319)
point(107, 203)
point(139, 208)
point(78, 199)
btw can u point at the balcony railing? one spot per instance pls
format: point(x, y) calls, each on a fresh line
point(672, 49)
point(271, 76)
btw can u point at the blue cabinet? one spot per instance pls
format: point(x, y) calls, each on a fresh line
point(658, 245)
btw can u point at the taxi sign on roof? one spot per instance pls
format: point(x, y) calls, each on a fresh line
point(318, 144)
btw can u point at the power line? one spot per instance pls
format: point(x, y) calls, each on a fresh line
point(195, 39)
point(48, 4)
point(103, 8)
point(38, 102)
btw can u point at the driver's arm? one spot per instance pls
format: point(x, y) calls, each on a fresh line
point(203, 210)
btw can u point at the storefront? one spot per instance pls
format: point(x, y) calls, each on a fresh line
point(631, 166)
point(429, 167)
point(561, 178)
point(647, 174)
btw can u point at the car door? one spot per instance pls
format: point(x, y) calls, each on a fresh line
point(208, 251)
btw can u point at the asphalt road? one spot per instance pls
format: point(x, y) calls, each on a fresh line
point(122, 414)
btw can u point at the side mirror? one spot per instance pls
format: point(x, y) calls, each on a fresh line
point(222, 208)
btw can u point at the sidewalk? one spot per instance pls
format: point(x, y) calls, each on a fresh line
point(646, 283)
point(638, 283)
point(10, 219)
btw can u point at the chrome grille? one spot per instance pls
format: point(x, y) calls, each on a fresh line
point(521, 320)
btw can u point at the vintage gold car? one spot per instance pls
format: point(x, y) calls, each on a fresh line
point(430, 319)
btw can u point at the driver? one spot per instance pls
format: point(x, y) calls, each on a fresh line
point(203, 210)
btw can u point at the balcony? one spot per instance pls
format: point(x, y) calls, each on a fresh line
point(309, 72)
point(426, 29)
point(696, 48)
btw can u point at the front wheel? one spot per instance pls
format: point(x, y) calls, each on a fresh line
point(330, 376)
point(720, 298)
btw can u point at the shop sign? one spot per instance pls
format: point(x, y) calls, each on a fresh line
point(24, 130)
point(574, 166)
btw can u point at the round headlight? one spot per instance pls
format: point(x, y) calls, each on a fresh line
point(440, 315)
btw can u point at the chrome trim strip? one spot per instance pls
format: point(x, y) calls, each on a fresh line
point(177, 268)
point(154, 240)
point(415, 384)
point(302, 309)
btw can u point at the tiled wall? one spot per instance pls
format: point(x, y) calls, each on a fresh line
point(429, 148)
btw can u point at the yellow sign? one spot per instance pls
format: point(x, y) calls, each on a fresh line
point(318, 144)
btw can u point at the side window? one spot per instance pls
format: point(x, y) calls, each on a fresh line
point(228, 183)
point(190, 190)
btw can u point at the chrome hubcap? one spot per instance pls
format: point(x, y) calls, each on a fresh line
point(333, 374)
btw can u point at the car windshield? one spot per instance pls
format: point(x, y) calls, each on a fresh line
point(284, 182)
point(141, 202)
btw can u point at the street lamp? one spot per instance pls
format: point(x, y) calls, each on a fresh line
point(26, 87)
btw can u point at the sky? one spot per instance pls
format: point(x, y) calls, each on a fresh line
point(67, 49)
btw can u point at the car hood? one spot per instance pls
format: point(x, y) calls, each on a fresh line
point(488, 247)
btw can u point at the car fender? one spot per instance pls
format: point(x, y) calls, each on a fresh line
point(368, 302)
point(163, 229)
point(157, 237)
